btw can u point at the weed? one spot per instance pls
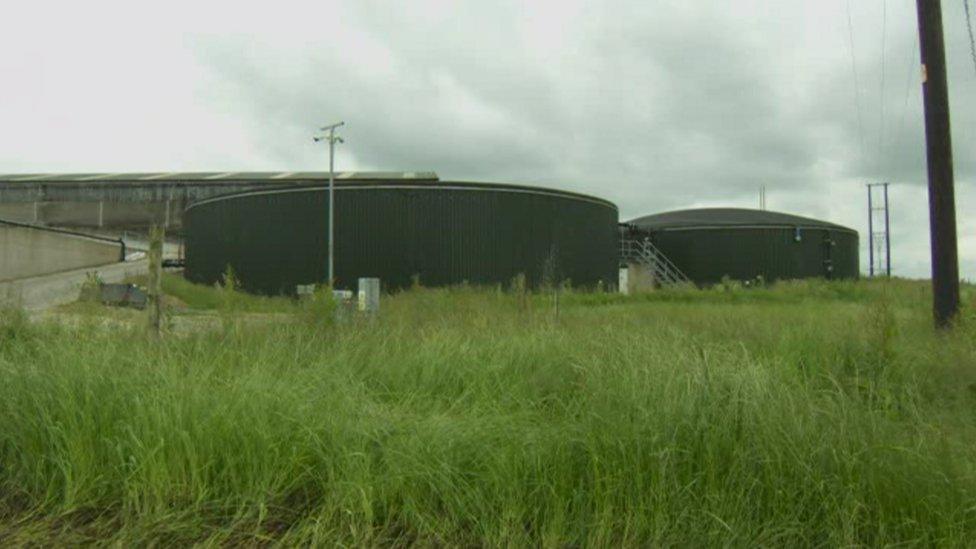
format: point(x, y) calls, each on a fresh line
point(319, 308)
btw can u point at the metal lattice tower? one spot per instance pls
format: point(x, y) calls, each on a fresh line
point(879, 230)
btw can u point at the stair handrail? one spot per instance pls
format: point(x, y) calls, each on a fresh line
point(667, 261)
point(645, 252)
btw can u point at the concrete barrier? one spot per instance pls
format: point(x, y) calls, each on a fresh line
point(42, 292)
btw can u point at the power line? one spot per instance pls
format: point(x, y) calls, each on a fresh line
point(881, 102)
point(969, 28)
point(912, 77)
point(857, 93)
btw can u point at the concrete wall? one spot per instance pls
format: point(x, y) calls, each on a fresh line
point(135, 201)
point(27, 252)
point(639, 279)
point(92, 215)
point(116, 204)
point(22, 212)
point(111, 215)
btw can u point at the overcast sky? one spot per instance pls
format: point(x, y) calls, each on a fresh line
point(653, 105)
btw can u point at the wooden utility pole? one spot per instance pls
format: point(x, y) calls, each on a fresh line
point(942, 204)
point(155, 291)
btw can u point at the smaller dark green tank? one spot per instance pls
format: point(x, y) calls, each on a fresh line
point(709, 244)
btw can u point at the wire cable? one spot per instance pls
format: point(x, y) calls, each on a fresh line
point(881, 101)
point(857, 92)
point(913, 72)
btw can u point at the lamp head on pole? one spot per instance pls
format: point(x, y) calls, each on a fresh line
point(330, 134)
point(331, 138)
point(332, 126)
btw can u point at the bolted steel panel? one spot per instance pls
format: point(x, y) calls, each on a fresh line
point(712, 243)
point(444, 234)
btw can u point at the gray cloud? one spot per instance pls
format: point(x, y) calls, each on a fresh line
point(652, 105)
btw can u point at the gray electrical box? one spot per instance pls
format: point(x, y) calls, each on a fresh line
point(369, 295)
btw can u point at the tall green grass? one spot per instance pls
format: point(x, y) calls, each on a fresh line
point(199, 297)
point(806, 414)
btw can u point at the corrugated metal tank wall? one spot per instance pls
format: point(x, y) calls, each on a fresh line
point(445, 233)
point(706, 255)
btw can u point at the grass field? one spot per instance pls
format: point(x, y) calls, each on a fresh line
point(810, 414)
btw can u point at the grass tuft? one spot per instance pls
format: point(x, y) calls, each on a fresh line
point(805, 414)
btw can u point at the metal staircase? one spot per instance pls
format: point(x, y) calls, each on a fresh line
point(643, 252)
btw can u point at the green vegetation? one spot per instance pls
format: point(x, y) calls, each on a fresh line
point(227, 296)
point(804, 414)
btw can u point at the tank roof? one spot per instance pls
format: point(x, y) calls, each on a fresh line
point(341, 185)
point(728, 217)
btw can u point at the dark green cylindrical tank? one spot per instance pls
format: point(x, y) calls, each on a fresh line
point(741, 244)
point(444, 233)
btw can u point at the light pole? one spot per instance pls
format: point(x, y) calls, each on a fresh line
point(332, 138)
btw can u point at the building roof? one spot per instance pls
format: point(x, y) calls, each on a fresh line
point(270, 177)
point(728, 217)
